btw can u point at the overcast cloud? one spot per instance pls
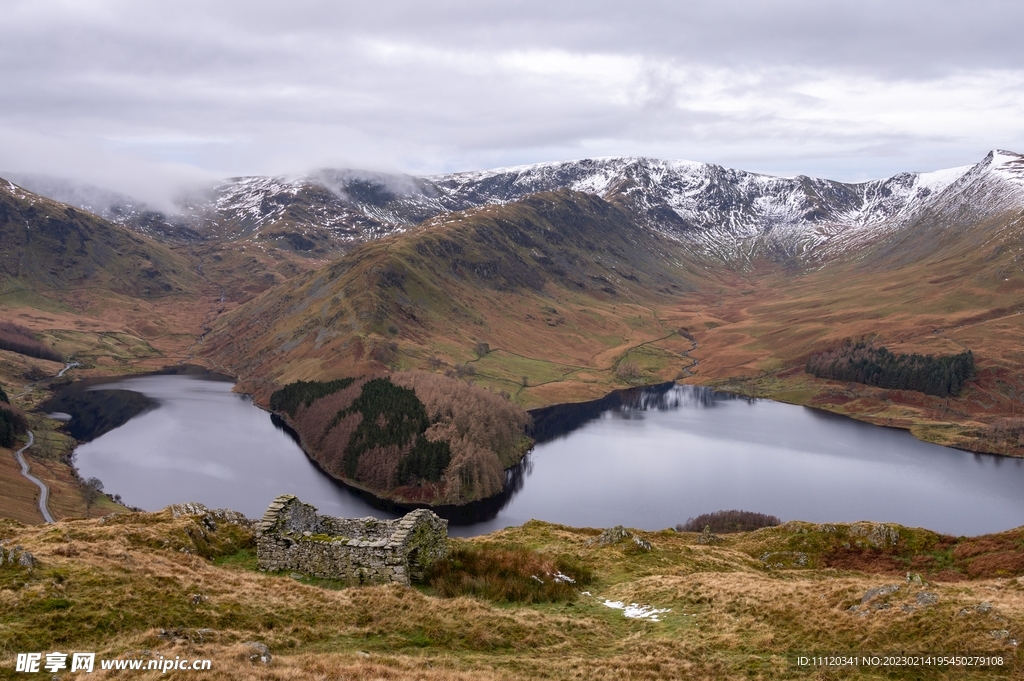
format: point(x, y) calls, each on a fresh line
point(143, 97)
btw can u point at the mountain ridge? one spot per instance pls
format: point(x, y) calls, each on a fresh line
point(731, 216)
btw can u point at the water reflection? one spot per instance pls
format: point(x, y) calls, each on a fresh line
point(646, 458)
point(204, 443)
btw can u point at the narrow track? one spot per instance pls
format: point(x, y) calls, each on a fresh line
point(44, 491)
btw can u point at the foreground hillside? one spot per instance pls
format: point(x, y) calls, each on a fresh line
point(182, 583)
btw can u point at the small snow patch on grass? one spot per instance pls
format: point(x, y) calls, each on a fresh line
point(636, 611)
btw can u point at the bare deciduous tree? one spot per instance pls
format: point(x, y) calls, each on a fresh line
point(92, 487)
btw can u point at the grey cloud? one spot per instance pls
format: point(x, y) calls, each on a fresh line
point(117, 92)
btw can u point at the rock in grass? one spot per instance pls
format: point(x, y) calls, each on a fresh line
point(879, 591)
point(260, 652)
point(614, 535)
point(708, 537)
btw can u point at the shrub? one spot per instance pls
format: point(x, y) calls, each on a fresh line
point(35, 374)
point(508, 575)
point(18, 339)
point(628, 371)
point(3, 396)
point(481, 348)
point(385, 353)
point(729, 521)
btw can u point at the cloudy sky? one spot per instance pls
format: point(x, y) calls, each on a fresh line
point(140, 96)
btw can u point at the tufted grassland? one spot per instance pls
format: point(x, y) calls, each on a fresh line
point(153, 584)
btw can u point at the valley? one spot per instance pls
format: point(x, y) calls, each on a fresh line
point(548, 284)
point(539, 286)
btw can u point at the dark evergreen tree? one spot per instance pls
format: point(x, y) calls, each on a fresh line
point(11, 425)
point(864, 363)
point(288, 398)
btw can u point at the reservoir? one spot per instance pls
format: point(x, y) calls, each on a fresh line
point(645, 458)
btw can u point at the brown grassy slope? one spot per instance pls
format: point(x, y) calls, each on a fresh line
point(526, 279)
point(18, 496)
point(185, 586)
point(964, 290)
point(561, 285)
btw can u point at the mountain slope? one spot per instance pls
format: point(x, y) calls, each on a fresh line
point(559, 277)
point(729, 216)
point(49, 246)
point(982, 212)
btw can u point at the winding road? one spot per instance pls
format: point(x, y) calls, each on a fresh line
point(44, 491)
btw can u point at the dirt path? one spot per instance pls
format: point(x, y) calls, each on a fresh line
point(44, 491)
point(69, 365)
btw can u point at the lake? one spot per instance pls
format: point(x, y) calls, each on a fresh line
point(646, 458)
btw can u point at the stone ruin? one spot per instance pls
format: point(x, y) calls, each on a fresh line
point(293, 536)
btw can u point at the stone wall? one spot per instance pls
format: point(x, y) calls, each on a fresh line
point(293, 536)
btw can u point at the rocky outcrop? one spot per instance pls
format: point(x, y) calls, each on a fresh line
point(293, 536)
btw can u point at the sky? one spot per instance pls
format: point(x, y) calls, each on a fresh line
point(145, 97)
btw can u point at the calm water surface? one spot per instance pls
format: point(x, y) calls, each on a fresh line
point(647, 459)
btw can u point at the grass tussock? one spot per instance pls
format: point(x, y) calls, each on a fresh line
point(508, 574)
point(141, 584)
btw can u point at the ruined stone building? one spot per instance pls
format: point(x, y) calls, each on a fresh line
point(292, 536)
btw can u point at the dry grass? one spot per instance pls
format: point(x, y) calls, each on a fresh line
point(511, 574)
point(186, 587)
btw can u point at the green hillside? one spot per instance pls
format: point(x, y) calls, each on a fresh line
point(50, 247)
point(559, 283)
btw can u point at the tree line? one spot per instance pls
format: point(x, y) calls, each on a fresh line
point(12, 422)
point(409, 428)
point(393, 415)
point(288, 398)
point(863, 363)
point(21, 340)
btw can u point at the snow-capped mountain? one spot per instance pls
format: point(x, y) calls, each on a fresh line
point(729, 215)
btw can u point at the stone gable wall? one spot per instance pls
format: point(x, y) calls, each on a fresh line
point(293, 536)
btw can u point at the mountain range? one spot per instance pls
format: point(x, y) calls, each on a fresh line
point(730, 215)
point(579, 276)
